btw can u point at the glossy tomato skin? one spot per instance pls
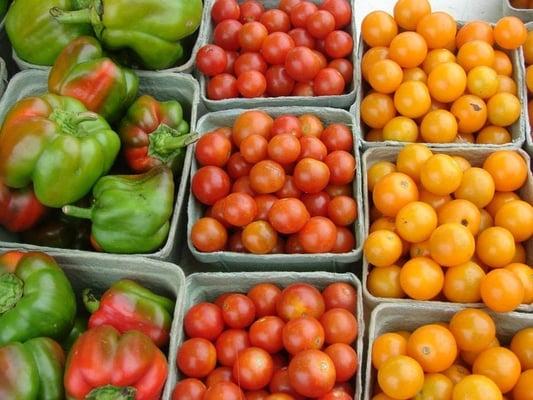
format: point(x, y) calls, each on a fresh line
point(267, 176)
point(235, 243)
point(304, 89)
point(301, 12)
point(312, 373)
point(328, 82)
point(289, 189)
point(238, 311)
point(279, 82)
point(253, 122)
point(345, 360)
point(211, 60)
point(229, 344)
point(252, 35)
point(342, 167)
point(340, 326)
point(318, 235)
point(286, 124)
point(197, 358)
point(342, 210)
point(237, 166)
point(189, 389)
point(341, 11)
point(316, 203)
point(302, 38)
point(340, 295)
point(213, 149)
point(312, 147)
point(275, 20)
point(345, 67)
point(209, 235)
point(204, 320)
point(225, 9)
point(265, 297)
point(241, 185)
point(267, 334)
point(320, 24)
point(337, 137)
point(253, 369)
point(276, 46)
point(264, 204)
point(300, 299)
point(226, 34)
point(249, 61)
point(302, 64)
point(251, 84)
point(224, 391)
point(344, 240)
point(288, 215)
point(231, 57)
point(311, 176)
point(251, 10)
point(280, 384)
point(288, 5)
point(222, 86)
point(303, 333)
point(239, 209)
point(338, 44)
point(260, 238)
point(210, 184)
point(220, 374)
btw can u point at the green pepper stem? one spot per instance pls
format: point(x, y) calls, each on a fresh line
point(78, 212)
point(112, 393)
point(91, 303)
point(11, 291)
point(82, 16)
point(165, 142)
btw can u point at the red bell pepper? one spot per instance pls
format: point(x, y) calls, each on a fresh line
point(19, 208)
point(104, 365)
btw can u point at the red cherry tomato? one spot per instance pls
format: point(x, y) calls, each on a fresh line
point(241, 185)
point(224, 391)
point(239, 209)
point(284, 148)
point(237, 166)
point(231, 56)
point(229, 344)
point(256, 395)
point(303, 333)
point(225, 9)
point(293, 245)
point(264, 204)
point(318, 235)
point(341, 11)
point(213, 149)
point(197, 358)
point(339, 190)
point(286, 124)
point(311, 125)
point(342, 210)
point(312, 147)
point(204, 320)
point(301, 12)
point(337, 137)
point(288, 215)
point(235, 243)
point(336, 395)
point(254, 148)
point(280, 384)
point(267, 334)
point(340, 326)
point(316, 203)
point(189, 389)
point(252, 35)
point(340, 295)
point(226, 34)
point(320, 45)
point(312, 373)
point(342, 166)
point(253, 369)
point(279, 83)
point(300, 299)
point(250, 123)
point(220, 374)
point(275, 21)
point(289, 189)
point(210, 184)
point(304, 89)
point(259, 237)
point(328, 82)
point(302, 64)
point(251, 84)
point(322, 61)
point(265, 296)
point(211, 60)
point(267, 176)
point(345, 240)
point(217, 212)
point(302, 38)
point(338, 44)
point(345, 67)
point(251, 10)
point(238, 311)
point(311, 176)
point(276, 46)
point(288, 5)
point(250, 62)
point(320, 24)
point(222, 86)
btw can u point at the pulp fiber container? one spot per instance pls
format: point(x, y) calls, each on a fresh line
point(3, 77)
point(163, 86)
point(524, 14)
point(231, 261)
point(476, 156)
point(517, 130)
point(528, 130)
point(100, 271)
point(396, 317)
point(208, 286)
point(341, 101)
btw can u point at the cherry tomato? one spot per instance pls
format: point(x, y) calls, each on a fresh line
point(254, 148)
point(276, 46)
point(224, 391)
point(337, 137)
point(275, 21)
point(241, 185)
point(239, 209)
point(322, 60)
point(264, 296)
point(264, 204)
point(251, 10)
point(267, 176)
point(287, 124)
point(312, 373)
point(320, 24)
point(213, 149)
point(250, 123)
point(280, 384)
point(312, 147)
point(342, 210)
point(287, 5)
point(226, 34)
point(222, 86)
point(302, 38)
point(279, 82)
point(340, 295)
point(237, 166)
point(338, 44)
point(339, 190)
point(253, 369)
point(220, 374)
point(259, 237)
point(256, 395)
point(328, 82)
point(267, 334)
point(304, 89)
point(317, 203)
point(289, 189)
point(340, 326)
point(251, 84)
point(197, 358)
point(189, 389)
point(293, 245)
point(210, 184)
point(300, 299)
point(344, 241)
point(284, 148)
point(288, 215)
point(235, 243)
point(217, 212)
point(225, 9)
point(238, 311)
point(229, 344)
point(249, 61)
point(311, 176)
point(301, 12)
point(311, 125)
point(318, 235)
point(341, 11)
point(231, 57)
point(302, 64)
point(345, 67)
point(211, 60)
point(252, 35)
point(303, 333)
point(342, 166)
point(204, 320)
point(345, 359)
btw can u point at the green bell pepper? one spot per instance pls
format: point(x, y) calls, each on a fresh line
point(150, 29)
point(36, 298)
point(32, 370)
point(70, 150)
point(130, 213)
point(80, 326)
point(83, 72)
point(3, 8)
point(35, 35)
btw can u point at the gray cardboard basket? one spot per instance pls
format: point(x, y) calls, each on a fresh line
point(525, 15)
point(163, 86)
point(207, 286)
point(302, 262)
point(517, 130)
point(528, 129)
point(99, 272)
point(342, 101)
point(476, 156)
point(396, 317)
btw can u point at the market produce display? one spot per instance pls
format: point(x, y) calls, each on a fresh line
point(436, 82)
point(300, 48)
point(528, 57)
point(443, 229)
point(462, 358)
point(271, 343)
point(287, 190)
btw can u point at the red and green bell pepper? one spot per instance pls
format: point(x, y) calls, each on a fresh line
point(19, 209)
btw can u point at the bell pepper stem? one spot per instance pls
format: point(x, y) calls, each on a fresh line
point(11, 290)
point(112, 393)
point(165, 141)
point(82, 16)
point(78, 212)
point(90, 301)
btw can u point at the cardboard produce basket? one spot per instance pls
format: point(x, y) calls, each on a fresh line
point(528, 129)
point(341, 101)
point(208, 286)
point(230, 261)
point(517, 130)
point(395, 317)
point(163, 86)
point(524, 14)
point(476, 156)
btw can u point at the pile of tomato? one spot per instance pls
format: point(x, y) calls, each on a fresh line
point(298, 49)
point(271, 344)
point(280, 185)
point(528, 57)
point(442, 229)
point(432, 82)
point(462, 359)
